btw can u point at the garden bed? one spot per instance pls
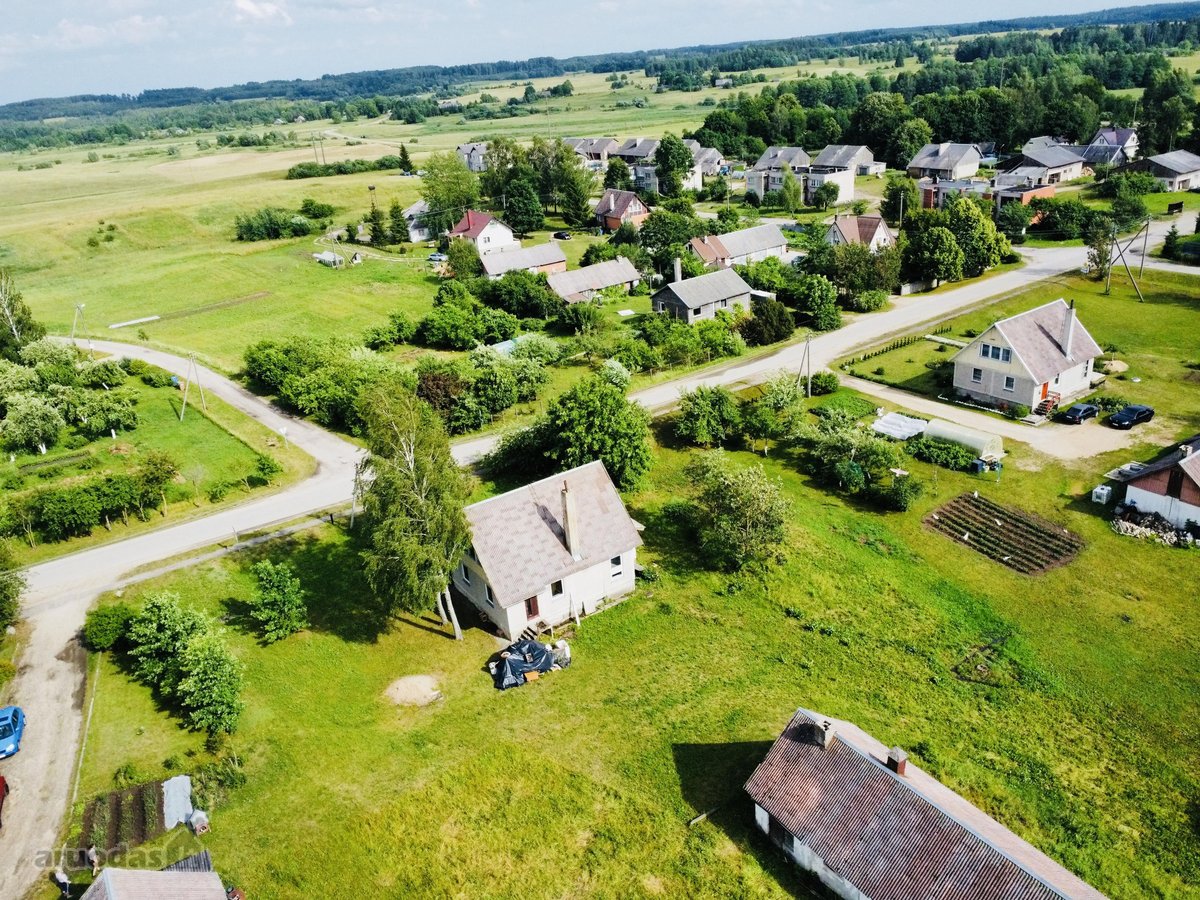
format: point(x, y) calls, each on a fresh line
point(1008, 536)
point(122, 819)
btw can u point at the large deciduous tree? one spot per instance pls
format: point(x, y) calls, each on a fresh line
point(617, 175)
point(743, 511)
point(522, 209)
point(672, 160)
point(17, 325)
point(413, 496)
point(594, 420)
point(450, 189)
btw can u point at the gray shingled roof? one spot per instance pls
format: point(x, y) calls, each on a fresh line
point(197, 862)
point(1034, 337)
point(519, 539)
point(711, 288)
point(740, 243)
point(615, 202)
point(891, 836)
point(840, 156)
point(777, 157)
point(1180, 161)
point(1051, 156)
point(143, 884)
point(525, 258)
point(593, 278)
point(941, 156)
point(594, 145)
point(641, 148)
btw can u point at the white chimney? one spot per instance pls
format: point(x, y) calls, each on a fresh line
point(1068, 331)
point(1186, 450)
point(570, 523)
point(678, 270)
point(897, 760)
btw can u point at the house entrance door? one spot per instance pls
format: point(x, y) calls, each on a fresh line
point(1045, 390)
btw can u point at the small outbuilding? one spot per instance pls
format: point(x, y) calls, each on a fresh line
point(985, 444)
point(1170, 486)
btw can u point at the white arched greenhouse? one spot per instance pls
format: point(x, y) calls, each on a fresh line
point(984, 444)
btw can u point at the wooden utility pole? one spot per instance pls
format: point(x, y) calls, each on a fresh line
point(193, 373)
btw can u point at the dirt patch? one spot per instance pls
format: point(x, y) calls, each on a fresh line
point(414, 690)
point(1115, 367)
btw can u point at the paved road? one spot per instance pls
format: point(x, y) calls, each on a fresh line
point(50, 681)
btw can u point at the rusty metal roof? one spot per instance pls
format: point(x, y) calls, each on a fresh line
point(896, 837)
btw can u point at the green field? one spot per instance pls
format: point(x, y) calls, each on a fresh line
point(1156, 339)
point(583, 784)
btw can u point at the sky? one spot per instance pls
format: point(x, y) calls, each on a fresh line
point(55, 48)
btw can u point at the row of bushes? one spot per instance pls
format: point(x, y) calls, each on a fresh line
point(713, 416)
point(343, 167)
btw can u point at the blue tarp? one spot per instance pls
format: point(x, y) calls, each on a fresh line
point(519, 658)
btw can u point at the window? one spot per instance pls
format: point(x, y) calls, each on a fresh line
point(977, 375)
point(1010, 383)
point(985, 350)
point(471, 552)
point(995, 352)
point(488, 595)
point(615, 562)
point(466, 573)
point(1005, 355)
point(556, 589)
point(531, 607)
point(1087, 367)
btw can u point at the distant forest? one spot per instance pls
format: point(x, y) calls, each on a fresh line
point(1128, 55)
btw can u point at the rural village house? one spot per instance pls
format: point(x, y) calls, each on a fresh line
point(192, 878)
point(708, 160)
point(473, 156)
point(953, 161)
point(1170, 486)
point(486, 232)
point(546, 258)
point(703, 297)
point(736, 248)
point(767, 173)
point(854, 158)
point(617, 207)
point(645, 178)
point(635, 151)
point(868, 230)
point(1037, 359)
point(1125, 138)
point(583, 284)
point(1043, 161)
point(1178, 170)
point(549, 552)
point(418, 230)
point(593, 151)
point(872, 826)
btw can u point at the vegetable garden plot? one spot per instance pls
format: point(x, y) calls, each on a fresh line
point(1011, 537)
point(122, 819)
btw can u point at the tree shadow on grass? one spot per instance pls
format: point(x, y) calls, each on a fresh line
point(711, 779)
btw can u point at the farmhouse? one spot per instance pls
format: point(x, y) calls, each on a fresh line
point(868, 230)
point(701, 298)
point(549, 552)
point(487, 233)
point(1037, 359)
point(473, 155)
point(1178, 170)
point(1170, 486)
point(547, 258)
point(645, 178)
point(953, 161)
point(418, 229)
point(618, 207)
point(736, 248)
point(870, 824)
point(583, 284)
point(1125, 138)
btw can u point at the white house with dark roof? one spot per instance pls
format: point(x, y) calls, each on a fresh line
point(549, 552)
point(736, 248)
point(1178, 170)
point(544, 258)
point(707, 159)
point(695, 299)
point(1042, 161)
point(1125, 138)
point(768, 171)
point(580, 285)
point(869, 230)
point(635, 151)
point(855, 158)
point(474, 155)
point(1038, 359)
point(414, 216)
point(593, 151)
point(870, 825)
point(947, 160)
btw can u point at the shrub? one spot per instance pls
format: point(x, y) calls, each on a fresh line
point(158, 637)
point(744, 511)
point(278, 603)
point(844, 404)
point(30, 421)
point(942, 453)
point(707, 416)
point(106, 626)
point(155, 377)
point(824, 383)
point(1016, 411)
point(901, 494)
point(868, 301)
point(106, 373)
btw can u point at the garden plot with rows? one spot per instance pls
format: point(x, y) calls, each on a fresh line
point(1009, 536)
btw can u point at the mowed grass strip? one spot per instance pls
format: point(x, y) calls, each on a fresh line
point(583, 783)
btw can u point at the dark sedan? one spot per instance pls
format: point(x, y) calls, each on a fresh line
point(1134, 414)
point(1079, 413)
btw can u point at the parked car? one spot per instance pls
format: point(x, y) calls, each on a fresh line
point(562, 235)
point(3, 794)
point(1134, 414)
point(12, 726)
point(438, 257)
point(1080, 412)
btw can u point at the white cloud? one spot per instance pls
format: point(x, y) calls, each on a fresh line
point(261, 11)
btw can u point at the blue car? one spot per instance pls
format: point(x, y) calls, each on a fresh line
point(12, 727)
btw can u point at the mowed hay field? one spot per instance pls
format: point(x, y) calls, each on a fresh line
point(1064, 704)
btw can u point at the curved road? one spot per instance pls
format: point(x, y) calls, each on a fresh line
point(50, 681)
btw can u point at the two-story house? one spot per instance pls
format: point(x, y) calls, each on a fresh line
point(486, 232)
point(1038, 359)
point(618, 207)
point(549, 552)
point(474, 155)
point(869, 230)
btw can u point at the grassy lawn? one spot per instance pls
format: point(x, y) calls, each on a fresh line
point(583, 784)
point(210, 448)
point(1157, 340)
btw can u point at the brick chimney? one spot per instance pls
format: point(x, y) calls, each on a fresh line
point(897, 760)
point(1068, 331)
point(570, 521)
point(678, 270)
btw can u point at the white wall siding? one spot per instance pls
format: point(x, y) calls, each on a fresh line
point(1174, 510)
